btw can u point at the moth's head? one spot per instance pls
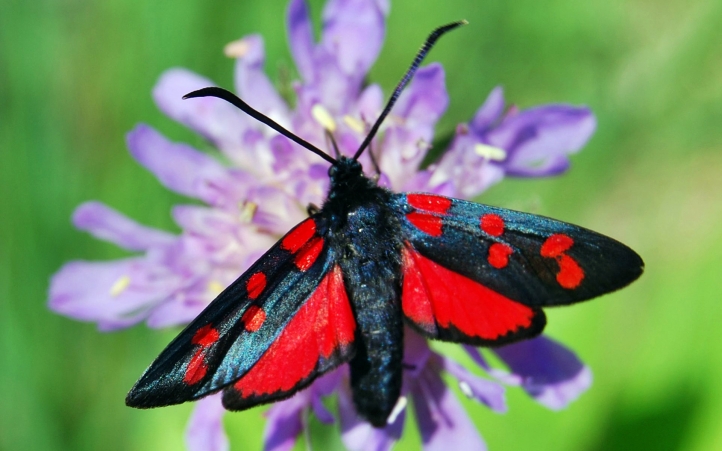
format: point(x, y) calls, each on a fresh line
point(345, 168)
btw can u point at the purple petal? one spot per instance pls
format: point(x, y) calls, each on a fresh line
point(470, 173)
point(120, 294)
point(550, 372)
point(252, 84)
point(483, 390)
point(442, 421)
point(180, 167)
point(533, 137)
point(215, 119)
point(358, 434)
point(324, 386)
point(490, 111)
point(107, 224)
point(353, 31)
point(205, 428)
point(300, 37)
point(284, 423)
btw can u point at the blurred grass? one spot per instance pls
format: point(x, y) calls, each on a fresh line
point(76, 75)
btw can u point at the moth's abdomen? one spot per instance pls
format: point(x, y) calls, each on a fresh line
point(370, 263)
point(376, 371)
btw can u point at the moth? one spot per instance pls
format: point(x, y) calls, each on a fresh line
point(340, 286)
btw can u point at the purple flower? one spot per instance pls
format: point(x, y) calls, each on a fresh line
point(263, 190)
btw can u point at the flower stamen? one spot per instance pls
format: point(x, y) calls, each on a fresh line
point(119, 286)
point(236, 49)
point(323, 117)
point(247, 211)
point(490, 152)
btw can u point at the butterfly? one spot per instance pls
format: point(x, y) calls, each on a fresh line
point(341, 286)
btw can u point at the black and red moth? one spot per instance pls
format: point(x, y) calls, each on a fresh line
point(341, 285)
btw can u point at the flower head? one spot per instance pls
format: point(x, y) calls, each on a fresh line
point(263, 187)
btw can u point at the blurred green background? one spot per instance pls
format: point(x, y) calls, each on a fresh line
point(76, 75)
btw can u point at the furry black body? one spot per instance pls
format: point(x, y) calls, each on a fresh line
point(365, 231)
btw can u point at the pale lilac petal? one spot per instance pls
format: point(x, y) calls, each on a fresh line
point(443, 423)
point(550, 372)
point(353, 31)
point(534, 136)
point(490, 112)
point(108, 224)
point(180, 167)
point(284, 423)
point(370, 104)
point(253, 85)
point(483, 390)
point(300, 38)
point(205, 428)
point(553, 165)
point(469, 172)
point(120, 294)
point(215, 119)
point(358, 434)
point(277, 210)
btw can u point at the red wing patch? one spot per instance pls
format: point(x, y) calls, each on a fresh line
point(570, 274)
point(434, 298)
point(322, 329)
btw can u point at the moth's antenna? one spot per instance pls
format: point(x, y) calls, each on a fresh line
point(246, 108)
point(430, 41)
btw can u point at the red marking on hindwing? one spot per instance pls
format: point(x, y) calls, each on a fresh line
point(429, 202)
point(205, 336)
point(492, 224)
point(323, 325)
point(253, 318)
point(299, 236)
point(570, 274)
point(308, 254)
point(499, 255)
point(432, 295)
point(256, 284)
point(426, 222)
point(555, 245)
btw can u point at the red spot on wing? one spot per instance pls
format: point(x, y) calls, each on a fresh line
point(197, 368)
point(253, 318)
point(555, 245)
point(499, 255)
point(570, 274)
point(429, 202)
point(296, 238)
point(492, 224)
point(205, 336)
point(256, 284)
point(433, 295)
point(308, 254)
point(322, 325)
point(426, 222)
